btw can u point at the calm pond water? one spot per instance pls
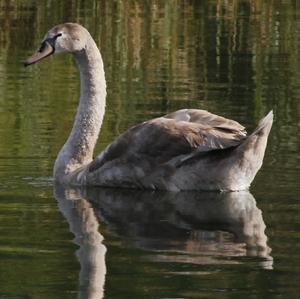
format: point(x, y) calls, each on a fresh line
point(238, 59)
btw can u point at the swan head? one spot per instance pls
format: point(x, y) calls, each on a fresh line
point(64, 38)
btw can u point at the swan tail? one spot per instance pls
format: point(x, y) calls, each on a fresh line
point(253, 149)
point(264, 126)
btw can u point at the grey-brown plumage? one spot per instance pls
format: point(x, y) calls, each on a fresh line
point(207, 152)
point(189, 149)
point(173, 137)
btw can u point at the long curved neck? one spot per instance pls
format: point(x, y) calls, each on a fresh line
point(78, 150)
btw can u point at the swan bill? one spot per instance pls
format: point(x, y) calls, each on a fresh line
point(45, 50)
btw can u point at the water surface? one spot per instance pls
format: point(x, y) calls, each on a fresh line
point(238, 59)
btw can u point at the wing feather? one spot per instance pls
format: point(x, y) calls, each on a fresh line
point(206, 118)
point(184, 133)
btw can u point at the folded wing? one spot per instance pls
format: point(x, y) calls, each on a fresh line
point(183, 134)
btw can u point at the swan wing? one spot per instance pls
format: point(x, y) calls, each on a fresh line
point(183, 134)
point(206, 118)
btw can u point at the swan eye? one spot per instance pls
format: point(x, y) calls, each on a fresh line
point(50, 41)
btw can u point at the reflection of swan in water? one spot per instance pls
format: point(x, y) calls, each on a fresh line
point(201, 224)
point(91, 254)
point(206, 222)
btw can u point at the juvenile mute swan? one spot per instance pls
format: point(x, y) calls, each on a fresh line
point(186, 150)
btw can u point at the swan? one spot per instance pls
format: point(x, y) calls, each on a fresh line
point(189, 149)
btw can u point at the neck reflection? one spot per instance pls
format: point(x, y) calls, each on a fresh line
point(91, 253)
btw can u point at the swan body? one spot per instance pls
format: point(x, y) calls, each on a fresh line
point(189, 149)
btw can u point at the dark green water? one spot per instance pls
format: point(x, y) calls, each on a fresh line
point(238, 59)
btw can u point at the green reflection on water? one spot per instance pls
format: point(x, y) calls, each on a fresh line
point(239, 59)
